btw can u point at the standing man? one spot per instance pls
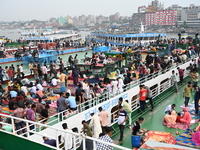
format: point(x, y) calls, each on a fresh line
point(66, 137)
point(96, 126)
point(63, 77)
point(196, 99)
point(21, 70)
point(143, 97)
point(181, 74)
point(127, 107)
point(149, 96)
point(195, 77)
point(30, 115)
point(187, 93)
point(18, 112)
point(122, 118)
point(61, 105)
point(103, 115)
point(106, 138)
point(174, 81)
point(44, 71)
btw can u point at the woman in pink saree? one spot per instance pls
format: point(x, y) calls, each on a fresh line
point(170, 119)
point(196, 137)
point(186, 118)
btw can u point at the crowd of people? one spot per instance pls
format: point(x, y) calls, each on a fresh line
point(27, 98)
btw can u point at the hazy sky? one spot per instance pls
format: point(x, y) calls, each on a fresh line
point(15, 10)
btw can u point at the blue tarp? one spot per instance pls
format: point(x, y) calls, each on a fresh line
point(101, 49)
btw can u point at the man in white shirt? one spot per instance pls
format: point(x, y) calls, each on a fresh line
point(21, 70)
point(44, 71)
point(33, 89)
point(39, 86)
point(24, 89)
point(170, 108)
point(54, 82)
point(66, 137)
point(25, 81)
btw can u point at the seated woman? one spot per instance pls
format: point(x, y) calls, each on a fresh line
point(186, 118)
point(170, 118)
point(195, 137)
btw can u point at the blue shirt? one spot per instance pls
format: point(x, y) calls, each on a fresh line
point(13, 94)
point(71, 101)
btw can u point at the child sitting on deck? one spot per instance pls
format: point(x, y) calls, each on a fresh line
point(178, 117)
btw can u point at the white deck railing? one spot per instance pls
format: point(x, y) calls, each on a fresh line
point(76, 137)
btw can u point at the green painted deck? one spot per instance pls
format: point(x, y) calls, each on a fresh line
point(153, 120)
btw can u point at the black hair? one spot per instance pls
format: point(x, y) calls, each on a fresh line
point(100, 108)
point(174, 105)
point(83, 121)
point(141, 119)
point(64, 125)
point(179, 114)
point(120, 99)
point(33, 106)
point(67, 94)
point(75, 129)
point(47, 106)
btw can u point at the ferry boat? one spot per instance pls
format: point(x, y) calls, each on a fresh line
point(159, 84)
point(125, 39)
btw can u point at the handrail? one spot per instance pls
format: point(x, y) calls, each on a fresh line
point(28, 122)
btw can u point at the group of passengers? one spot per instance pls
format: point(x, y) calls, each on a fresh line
point(19, 89)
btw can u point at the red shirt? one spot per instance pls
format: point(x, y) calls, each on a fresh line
point(178, 119)
point(10, 73)
point(181, 72)
point(143, 94)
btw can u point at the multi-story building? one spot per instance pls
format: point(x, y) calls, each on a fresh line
point(178, 10)
point(62, 20)
point(191, 13)
point(155, 6)
point(115, 17)
point(162, 18)
point(142, 9)
point(137, 18)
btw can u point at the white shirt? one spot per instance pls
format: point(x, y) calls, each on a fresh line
point(24, 89)
point(25, 80)
point(169, 108)
point(54, 81)
point(33, 89)
point(66, 138)
point(44, 70)
point(21, 68)
point(39, 87)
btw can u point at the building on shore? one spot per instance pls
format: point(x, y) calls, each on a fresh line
point(162, 18)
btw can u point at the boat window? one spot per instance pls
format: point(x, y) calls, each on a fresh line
point(114, 114)
point(134, 101)
point(164, 85)
point(154, 90)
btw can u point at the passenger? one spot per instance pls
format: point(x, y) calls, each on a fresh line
point(49, 142)
point(195, 137)
point(170, 118)
point(96, 125)
point(170, 108)
point(86, 129)
point(106, 138)
point(178, 117)
point(186, 118)
point(136, 126)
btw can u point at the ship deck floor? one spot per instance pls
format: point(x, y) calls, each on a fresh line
point(153, 120)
